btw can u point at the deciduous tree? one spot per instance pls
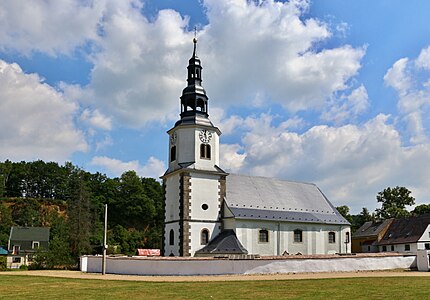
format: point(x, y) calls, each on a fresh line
point(394, 202)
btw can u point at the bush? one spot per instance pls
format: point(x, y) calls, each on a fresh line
point(3, 263)
point(23, 267)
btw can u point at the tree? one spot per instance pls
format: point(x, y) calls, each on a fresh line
point(5, 224)
point(344, 211)
point(79, 211)
point(394, 201)
point(421, 209)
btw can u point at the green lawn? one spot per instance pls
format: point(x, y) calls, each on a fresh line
point(33, 287)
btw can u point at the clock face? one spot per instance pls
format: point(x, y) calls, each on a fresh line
point(173, 138)
point(205, 136)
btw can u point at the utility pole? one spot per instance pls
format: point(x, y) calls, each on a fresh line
point(104, 244)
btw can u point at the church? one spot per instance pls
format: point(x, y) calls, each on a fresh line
point(209, 212)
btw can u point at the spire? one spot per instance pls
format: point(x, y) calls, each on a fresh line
point(194, 101)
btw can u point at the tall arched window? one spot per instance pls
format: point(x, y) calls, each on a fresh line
point(173, 153)
point(263, 236)
point(298, 236)
point(204, 237)
point(331, 237)
point(171, 237)
point(205, 151)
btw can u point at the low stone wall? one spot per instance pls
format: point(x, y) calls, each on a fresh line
point(264, 265)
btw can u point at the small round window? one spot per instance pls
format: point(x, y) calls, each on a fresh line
point(205, 206)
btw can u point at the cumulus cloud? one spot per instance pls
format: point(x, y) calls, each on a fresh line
point(266, 48)
point(423, 60)
point(115, 167)
point(410, 78)
point(96, 119)
point(396, 76)
point(36, 121)
point(53, 26)
point(350, 163)
point(347, 107)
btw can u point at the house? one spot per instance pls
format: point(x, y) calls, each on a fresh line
point(368, 234)
point(211, 212)
point(406, 235)
point(24, 242)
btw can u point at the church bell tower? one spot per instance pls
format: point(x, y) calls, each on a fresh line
point(194, 183)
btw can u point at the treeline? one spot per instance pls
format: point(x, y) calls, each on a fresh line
point(71, 202)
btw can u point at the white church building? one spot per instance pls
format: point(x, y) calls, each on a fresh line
point(209, 212)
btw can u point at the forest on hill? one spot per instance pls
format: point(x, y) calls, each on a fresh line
point(71, 202)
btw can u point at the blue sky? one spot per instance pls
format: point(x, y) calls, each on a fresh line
point(333, 92)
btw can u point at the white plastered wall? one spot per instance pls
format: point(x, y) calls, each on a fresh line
point(204, 190)
point(171, 214)
point(281, 237)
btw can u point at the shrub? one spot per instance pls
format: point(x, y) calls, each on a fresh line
point(3, 263)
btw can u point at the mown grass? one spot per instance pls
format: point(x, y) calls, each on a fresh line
point(33, 287)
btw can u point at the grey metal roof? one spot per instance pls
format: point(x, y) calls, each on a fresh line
point(250, 197)
point(224, 243)
point(29, 233)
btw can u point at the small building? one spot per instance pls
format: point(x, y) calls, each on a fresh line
point(368, 234)
point(406, 235)
point(24, 242)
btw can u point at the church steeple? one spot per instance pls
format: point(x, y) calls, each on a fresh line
point(194, 101)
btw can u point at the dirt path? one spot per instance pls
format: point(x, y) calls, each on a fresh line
point(77, 274)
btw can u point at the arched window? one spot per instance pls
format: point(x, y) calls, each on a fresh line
point(298, 236)
point(204, 237)
point(200, 105)
point(171, 237)
point(173, 153)
point(263, 236)
point(205, 151)
point(331, 237)
point(347, 237)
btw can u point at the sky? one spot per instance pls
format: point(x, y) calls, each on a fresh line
point(334, 92)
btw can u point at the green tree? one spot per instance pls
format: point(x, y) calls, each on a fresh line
point(344, 211)
point(79, 213)
point(5, 224)
point(421, 209)
point(394, 201)
point(26, 212)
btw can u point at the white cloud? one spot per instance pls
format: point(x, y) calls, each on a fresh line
point(114, 167)
point(36, 121)
point(140, 71)
point(410, 79)
point(231, 159)
point(423, 60)
point(277, 58)
point(96, 119)
point(52, 26)
point(396, 76)
point(347, 108)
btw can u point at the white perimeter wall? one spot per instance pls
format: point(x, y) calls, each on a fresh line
point(200, 266)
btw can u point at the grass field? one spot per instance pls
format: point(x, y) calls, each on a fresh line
point(33, 287)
